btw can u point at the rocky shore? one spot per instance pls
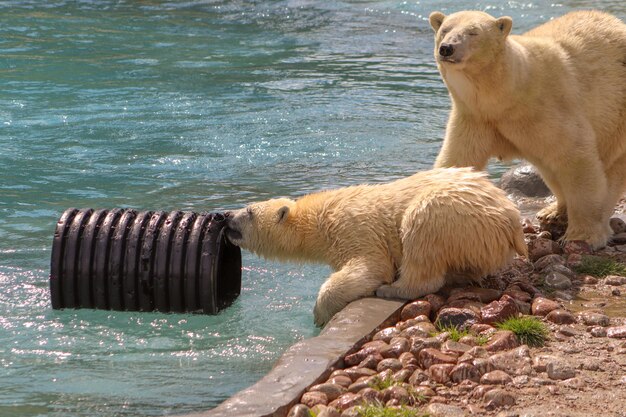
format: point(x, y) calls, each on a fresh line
point(545, 337)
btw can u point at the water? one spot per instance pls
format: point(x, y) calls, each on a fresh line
point(199, 105)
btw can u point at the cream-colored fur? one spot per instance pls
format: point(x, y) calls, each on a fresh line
point(555, 96)
point(415, 229)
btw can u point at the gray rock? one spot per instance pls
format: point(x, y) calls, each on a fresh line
point(524, 180)
point(560, 370)
point(461, 318)
point(618, 225)
point(558, 281)
point(497, 398)
point(444, 410)
point(513, 362)
point(496, 377)
point(591, 318)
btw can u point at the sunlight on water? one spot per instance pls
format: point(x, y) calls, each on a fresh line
point(204, 106)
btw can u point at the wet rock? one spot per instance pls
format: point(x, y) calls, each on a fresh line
point(615, 280)
point(396, 347)
point(444, 410)
point(497, 398)
point(524, 180)
point(558, 281)
point(577, 246)
point(419, 343)
point(618, 332)
point(356, 372)
point(541, 247)
point(499, 310)
point(436, 302)
point(483, 295)
point(418, 377)
point(361, 384)
point(390, 363)
point(464, 371)
point(402, 375)
point(403, 325)
point(415, 309)
point(560, 316)
point(424, 329)
point(313, 398)
point(461, 318)
point(513, 362)
point(480, 328)
point(428, 357)
point(371, 395)
point(617, 225)
point(496, 377)
point(518, 295)
point(559, 370)
point(299, 410)
point(408, 361)
point(440, 373)
point(371, 361)
point(548, 260)
point(424, 391)
point(469, 340)
point(346, 401)
point(386, 334)
point(332, 391)
point(501, 340)
point(591, 318)
point(454, 348)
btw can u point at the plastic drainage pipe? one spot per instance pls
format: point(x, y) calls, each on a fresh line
point(122, 259)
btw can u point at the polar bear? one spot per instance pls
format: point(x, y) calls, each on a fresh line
point(414, 230)
point(555, 96)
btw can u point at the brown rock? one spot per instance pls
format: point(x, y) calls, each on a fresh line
point(574, 260)
point(332, 391)
point(418, 377)
point(386, 334)
point(390, 363)
point(480, 328)
point(299, 410)
point(598, 331)
point(457, 317)
point(396, 347)
point(619, 238)
point(483, 295)
point(408, 361)
point(346, 401)
point(618, 332)
point(541, 247)
point(454, 348)
point(371, 395)
point(499, 310)
point(497, 398)
point(514, 362)
point(589, 280)
point(428, 357)
point(313, 398)
point(528, 227)
point(402, 325)
point(415, 309)
point(371, 361)
point(548, 260)
point(615, 280)
point(540, 362)
point(496, 377)
point(355, 372)
point(577, 246)
point(424, 329)
point(518, 295)
point(359, 385)
point(436, 302)
point(591, 318)
point(542, 306)
point(324, 411)
point(560, 370)
point(464, 371)
point(444, 410)
point(402, 375)
point(617, 225)
point(483, 365)
point(341, 380)
point(560, 316)
point(469, 340)
point(501, 340)
point(440, 373)
point(396, 392)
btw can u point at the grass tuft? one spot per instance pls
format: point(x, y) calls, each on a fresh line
point(600, 267)
point(380, 384)
point(529, 330)
point(378, 410)
point(454, 332)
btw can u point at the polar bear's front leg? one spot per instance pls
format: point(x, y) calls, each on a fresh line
point(357, 279)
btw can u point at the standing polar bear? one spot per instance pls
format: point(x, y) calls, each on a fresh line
point(414, 230)
point(555, 96)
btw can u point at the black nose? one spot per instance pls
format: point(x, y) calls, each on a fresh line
point(446, 49)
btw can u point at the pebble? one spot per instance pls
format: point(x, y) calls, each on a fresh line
point(299, 410)
point(591, 318)
point(461, 318)
point(558, 281)
point(424, 329)
point(502, 340)
point(386, 334)
point(496, 377)
point(440, 373)
point(615, 280)
point(428, 357)
point(513, 362)
point(617, 225)
point(463, 372)
point(497, 398)
point(541, 247)
point(560, 316)
point(542, 306)
point(415, 309)
point(618, 332)
point(444, 410)
point(499, 310)
point(560, 370)
point(313, 398)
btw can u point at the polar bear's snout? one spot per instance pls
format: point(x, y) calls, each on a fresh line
point(232, 229)
point(446, 49)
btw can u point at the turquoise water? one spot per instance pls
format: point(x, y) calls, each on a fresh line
point(198, 105)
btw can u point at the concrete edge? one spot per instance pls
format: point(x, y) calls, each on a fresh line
point(309, 361)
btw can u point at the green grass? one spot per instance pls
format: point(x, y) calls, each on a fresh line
point(600, 267)
point(482, 339)
point(455, 333)
point(380, 384)
point(382, 411)
point(529, 330)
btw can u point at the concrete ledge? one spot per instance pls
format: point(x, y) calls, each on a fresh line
point(309, 362)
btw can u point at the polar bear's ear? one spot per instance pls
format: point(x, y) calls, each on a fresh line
point(436, 19)
point(505, 23)
point(283, 212)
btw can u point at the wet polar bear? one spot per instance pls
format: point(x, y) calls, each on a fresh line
point(414, 230)
point(555, 96)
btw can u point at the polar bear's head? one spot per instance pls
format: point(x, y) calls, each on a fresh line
point(267, 228)
point(468, 37)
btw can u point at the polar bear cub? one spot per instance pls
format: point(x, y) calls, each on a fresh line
point(398, 239)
